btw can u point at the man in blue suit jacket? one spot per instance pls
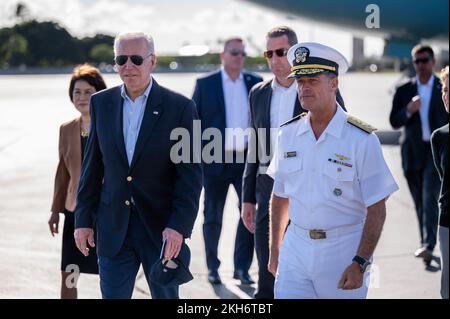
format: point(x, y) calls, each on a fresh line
point(222, 103)
point(130, 187)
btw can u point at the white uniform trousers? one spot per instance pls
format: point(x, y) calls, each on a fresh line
point(311, 268)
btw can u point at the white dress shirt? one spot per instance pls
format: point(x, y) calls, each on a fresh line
point(133, 113)
point(425, 91)
point(236, 109)
point(281, 107)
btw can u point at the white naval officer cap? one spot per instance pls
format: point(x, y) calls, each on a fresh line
point(312, 58)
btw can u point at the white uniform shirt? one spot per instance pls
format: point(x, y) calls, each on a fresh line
point(236, 110)
point(281, 107)
point(425, 91)
point(331, 181)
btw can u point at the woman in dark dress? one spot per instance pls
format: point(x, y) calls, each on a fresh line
point(439, 144)
point(85, 81)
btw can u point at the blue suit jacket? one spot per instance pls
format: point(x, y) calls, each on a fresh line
point(165, 194)
point(209, 99)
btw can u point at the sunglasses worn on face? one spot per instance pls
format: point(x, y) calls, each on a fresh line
point(279, 52)
point(135, 59)
point(423, 60)
point(237, 52)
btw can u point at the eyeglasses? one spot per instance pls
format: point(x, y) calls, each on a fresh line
point(279, 52)
point(237, 52)
point(422, 60)
point(135, 59)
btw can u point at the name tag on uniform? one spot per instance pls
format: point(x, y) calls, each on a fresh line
point(290, 154)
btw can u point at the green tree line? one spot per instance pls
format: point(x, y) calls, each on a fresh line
point(47, 44)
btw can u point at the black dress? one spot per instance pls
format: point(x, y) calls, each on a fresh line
point(72, 259)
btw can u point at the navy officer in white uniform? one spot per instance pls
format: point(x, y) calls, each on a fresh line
point(330, 186)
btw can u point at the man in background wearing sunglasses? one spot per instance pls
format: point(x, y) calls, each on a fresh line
point(130, 187)
point(222, 103)
point(272, 103)
point(417, 106)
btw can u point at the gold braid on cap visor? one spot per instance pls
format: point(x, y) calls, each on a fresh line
point(307, 71)
point(313, 66)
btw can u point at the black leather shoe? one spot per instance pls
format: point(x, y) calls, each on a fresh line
point(425, 254)
point(420, 253)
point(243, 276)
point(214, 278)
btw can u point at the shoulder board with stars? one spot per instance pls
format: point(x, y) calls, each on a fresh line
point(360, 124)
point(296, 118)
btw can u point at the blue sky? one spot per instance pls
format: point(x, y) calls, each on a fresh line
point(175, 23)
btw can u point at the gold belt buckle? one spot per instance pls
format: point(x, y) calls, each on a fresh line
point(317, 234)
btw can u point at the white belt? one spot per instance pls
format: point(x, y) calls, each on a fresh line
point(326, 234)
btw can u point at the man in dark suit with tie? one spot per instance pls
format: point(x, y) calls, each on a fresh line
point(418, 108)
point(272, 103)
point(131, 187)
point(222, 103)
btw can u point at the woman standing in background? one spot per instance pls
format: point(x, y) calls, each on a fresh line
point(85, 81)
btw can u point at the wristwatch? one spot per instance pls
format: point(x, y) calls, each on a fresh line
point(362, 262)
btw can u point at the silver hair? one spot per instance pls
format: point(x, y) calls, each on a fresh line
point(132, 36)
